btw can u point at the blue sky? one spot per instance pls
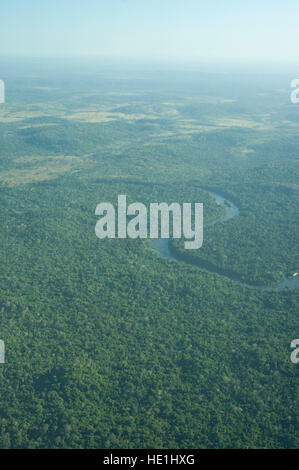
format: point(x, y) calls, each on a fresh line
point(263, 30)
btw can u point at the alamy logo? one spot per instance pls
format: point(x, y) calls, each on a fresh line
point(295, 353)
point(137, 227)
point(2, 92)
point(2, 352)
point(295, 93)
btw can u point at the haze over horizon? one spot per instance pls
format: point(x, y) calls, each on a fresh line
point(174, 30)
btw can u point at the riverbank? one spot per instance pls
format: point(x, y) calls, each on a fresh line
point(165, 250)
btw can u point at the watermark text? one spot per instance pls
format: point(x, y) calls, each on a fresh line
point(295, 353)
point(137, 227)
point(2, 92)
point(295, 93)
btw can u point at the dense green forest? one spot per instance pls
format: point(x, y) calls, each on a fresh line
point(109, 345)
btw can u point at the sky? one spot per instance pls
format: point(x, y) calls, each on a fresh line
point(246, 30)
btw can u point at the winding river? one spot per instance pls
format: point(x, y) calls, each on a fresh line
point(231, 210)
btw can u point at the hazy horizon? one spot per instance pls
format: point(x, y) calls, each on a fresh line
point(174, 31)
